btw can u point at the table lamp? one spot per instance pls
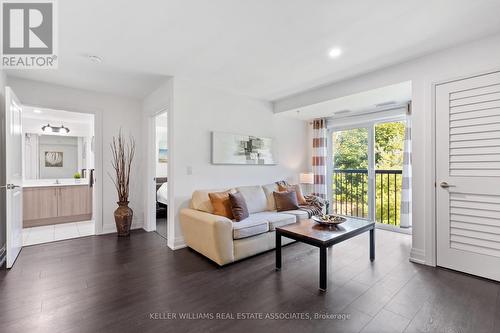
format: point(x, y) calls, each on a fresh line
point(306, 178)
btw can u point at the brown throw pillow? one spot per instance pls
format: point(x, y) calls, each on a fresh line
point(238, 206)
point(286, 201)
point(298, 190)
point(220, 202)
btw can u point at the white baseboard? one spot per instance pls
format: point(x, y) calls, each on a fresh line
point(393, 228)
point(111, 228)
point(148, 229)
point(178, 243)
point(418, 256)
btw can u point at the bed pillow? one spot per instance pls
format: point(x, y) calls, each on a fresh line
point(286, 201)
point(221, 203)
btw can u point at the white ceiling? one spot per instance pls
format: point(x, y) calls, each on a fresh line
point(51, 115)
point(265, 49)
point(393, 95)
point(80, 124)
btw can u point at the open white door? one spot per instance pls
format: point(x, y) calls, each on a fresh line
point(468, 175)
point(14, 176)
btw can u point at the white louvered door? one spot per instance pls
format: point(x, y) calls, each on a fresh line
point(468, 175)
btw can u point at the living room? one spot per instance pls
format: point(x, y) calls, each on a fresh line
point(418, 256)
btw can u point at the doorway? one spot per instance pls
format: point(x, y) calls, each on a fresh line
point(67, 198)
point(367, 170)
point(58, 158)
point(161, 172)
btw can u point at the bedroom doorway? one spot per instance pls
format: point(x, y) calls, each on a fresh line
point(161, 172)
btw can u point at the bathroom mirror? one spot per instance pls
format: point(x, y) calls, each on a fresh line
point(55, 156)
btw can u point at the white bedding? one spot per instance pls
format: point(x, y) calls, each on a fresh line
point(162, 194)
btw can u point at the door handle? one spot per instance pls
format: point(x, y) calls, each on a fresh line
point(10, 186)
point(446, 185)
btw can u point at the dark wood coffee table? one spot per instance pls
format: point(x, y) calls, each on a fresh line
point(312, 233)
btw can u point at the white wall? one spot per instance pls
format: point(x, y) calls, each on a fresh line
point(112, 113)
point(199, 110)
point(472, 58)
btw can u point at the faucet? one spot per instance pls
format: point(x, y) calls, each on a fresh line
point(57, 181)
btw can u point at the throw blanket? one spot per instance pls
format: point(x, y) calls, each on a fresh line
point(314, 204)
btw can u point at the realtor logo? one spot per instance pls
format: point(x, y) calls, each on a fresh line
point(28, 34)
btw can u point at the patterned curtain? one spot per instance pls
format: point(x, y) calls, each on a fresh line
point(319, 157)
point(406, 186)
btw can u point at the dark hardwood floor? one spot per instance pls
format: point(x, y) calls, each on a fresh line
point(106, 284)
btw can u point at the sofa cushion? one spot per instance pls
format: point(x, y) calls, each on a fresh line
point(201, 201)
point(299, 214)
point(269, 189)
point(251, 226)
point(276, 219)
point(254, 197)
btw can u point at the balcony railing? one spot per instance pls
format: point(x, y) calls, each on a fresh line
point(350, 194)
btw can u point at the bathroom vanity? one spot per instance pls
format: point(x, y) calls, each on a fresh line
point(51, 203)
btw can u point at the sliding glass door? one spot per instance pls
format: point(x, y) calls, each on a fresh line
point(350, 172)
point(366, 171)
point(389, 150)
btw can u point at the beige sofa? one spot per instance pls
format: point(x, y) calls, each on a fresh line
point(225, 241)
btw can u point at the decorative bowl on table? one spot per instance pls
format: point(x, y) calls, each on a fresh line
point(329, 219)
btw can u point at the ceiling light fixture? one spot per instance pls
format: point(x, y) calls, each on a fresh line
point(54, 129)
point(335, 52)
point(37, 111)
point(95, 59)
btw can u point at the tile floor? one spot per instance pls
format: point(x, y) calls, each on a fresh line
point(56, 232)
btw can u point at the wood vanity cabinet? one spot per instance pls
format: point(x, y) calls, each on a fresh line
point(56, 204)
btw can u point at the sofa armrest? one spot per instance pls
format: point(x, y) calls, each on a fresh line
point(208, 234)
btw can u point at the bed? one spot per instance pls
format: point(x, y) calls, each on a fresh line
point(161, 196)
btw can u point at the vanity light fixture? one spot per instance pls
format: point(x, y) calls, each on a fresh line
point(55, 129)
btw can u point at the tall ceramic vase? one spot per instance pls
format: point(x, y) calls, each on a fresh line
point(123, 218)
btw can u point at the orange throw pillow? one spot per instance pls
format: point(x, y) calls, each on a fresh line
point(298, 191)
point(220, 202)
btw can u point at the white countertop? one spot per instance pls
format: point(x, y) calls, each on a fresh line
point(52, 182)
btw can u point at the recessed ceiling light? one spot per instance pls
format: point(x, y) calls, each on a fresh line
point(95, 59)
point(37, 111)
point(335, 52)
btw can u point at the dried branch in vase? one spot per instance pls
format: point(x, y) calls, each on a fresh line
point(123, 155)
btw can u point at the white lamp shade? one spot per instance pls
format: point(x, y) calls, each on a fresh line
point(306, 178)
